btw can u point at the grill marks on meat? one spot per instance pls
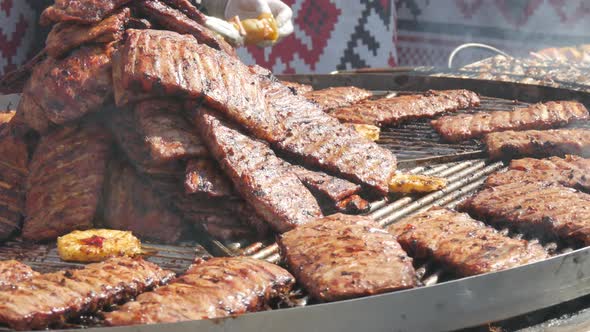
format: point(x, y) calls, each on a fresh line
point(395, 110)
point(460, 127)
point(219, 287)
point(263, 179)
point(167, 133)
point(337, 97)
point(188, 9)
point(163, 62)
point(65, 37)
point(297, 88)
point(203, 176)
point(538, 143)
point(80, 11)
point(466, 246)
point(13, 174)
point(328, 186)
point(131, 204)
point(69, 88)
point(177, 21)
point(47, 299)
point(341, 256)
point(65, 181)
point(551, 209)
point(13, 272)
point(571, 171)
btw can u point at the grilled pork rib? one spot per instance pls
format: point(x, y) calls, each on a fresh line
point(466, 246)
point(395, 110)
point(571, 171)
point(13, 272)
point(456, 128)
point(341, 256)
point(217, 288)
point(550, 209)
point(48, 299)
point(337, 97)
point(538, 143)
point(80, 11)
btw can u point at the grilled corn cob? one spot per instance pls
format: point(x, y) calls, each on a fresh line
point(96, 245)
point(411, 183)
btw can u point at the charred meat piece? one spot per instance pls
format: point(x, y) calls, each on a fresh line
point(168, 135)
point(456, 128)
point(174, 64)
point(265, 182)
point(328, 186)
point(15, 81)
point(13, 272)
point(571, 171)
point(203, 176)
point(70, 88)
point(298, 88)
point(216, 288)
point(353, 204)
point(337, 97)
point(131, 204)
point(65, 181)
point(465, 245)
point(13, 174)
point(395, 110)
point(65, 37)
point(341, 257)
point(538, 143)
point(80, 11)
point(550, 209)
point(175, 20)
point(30, 113)
point(49, 299)
point(188, 9)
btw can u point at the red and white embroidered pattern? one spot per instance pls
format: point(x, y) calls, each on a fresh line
point(17, 33)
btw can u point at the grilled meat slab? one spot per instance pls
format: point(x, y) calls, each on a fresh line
point(14, 81)
point(131, 204)
point(174, 64)
point(219, 287)
point(456, 128)
point(188, 9)
point(13, 174)
point(538, 143)
point(465, 245)
point(65, 181)
point(353, 204)
point(30, 113)
point(265, 182)
point(203, 176)
point(175, 20)
point(571, 171)
point(338, 97)
point(65, 37)
point(551, 209)
point(49, 299)
point(341, 256)
point(298, 88)
point(69, 88)
point(168, 135)
point(327, 186)
point(387, 111)
point(80, 11)
point(13, 272)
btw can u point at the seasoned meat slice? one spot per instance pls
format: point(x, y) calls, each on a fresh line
point(49, 299)
point(65, 181)
point(203, 176)
point(337, 97)
point(188, 9)
point(547, 209)
point(168, 135)
point(69, 88)
point(341, 257)
point(456, 128)
point(464, 245)
point(80, 11)
point(13, 272)
point(387, 111)
point(174, 64)
point(216, 288)
point(538, 143)
point(65, 36)
point(175, 20)
point(265, 182)
point(131, 204)
point(30, 113)
point(298, 88)
point(571, 171)
point(331, 187)
point(13, 174)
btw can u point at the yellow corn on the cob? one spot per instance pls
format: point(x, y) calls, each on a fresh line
point(411, 183)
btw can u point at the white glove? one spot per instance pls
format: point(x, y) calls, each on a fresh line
point(226, 29)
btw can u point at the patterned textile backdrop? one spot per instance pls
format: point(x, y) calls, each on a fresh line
point(330, 35)
point(428, 30)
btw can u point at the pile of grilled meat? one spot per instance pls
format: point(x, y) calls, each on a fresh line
point(136, 117)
